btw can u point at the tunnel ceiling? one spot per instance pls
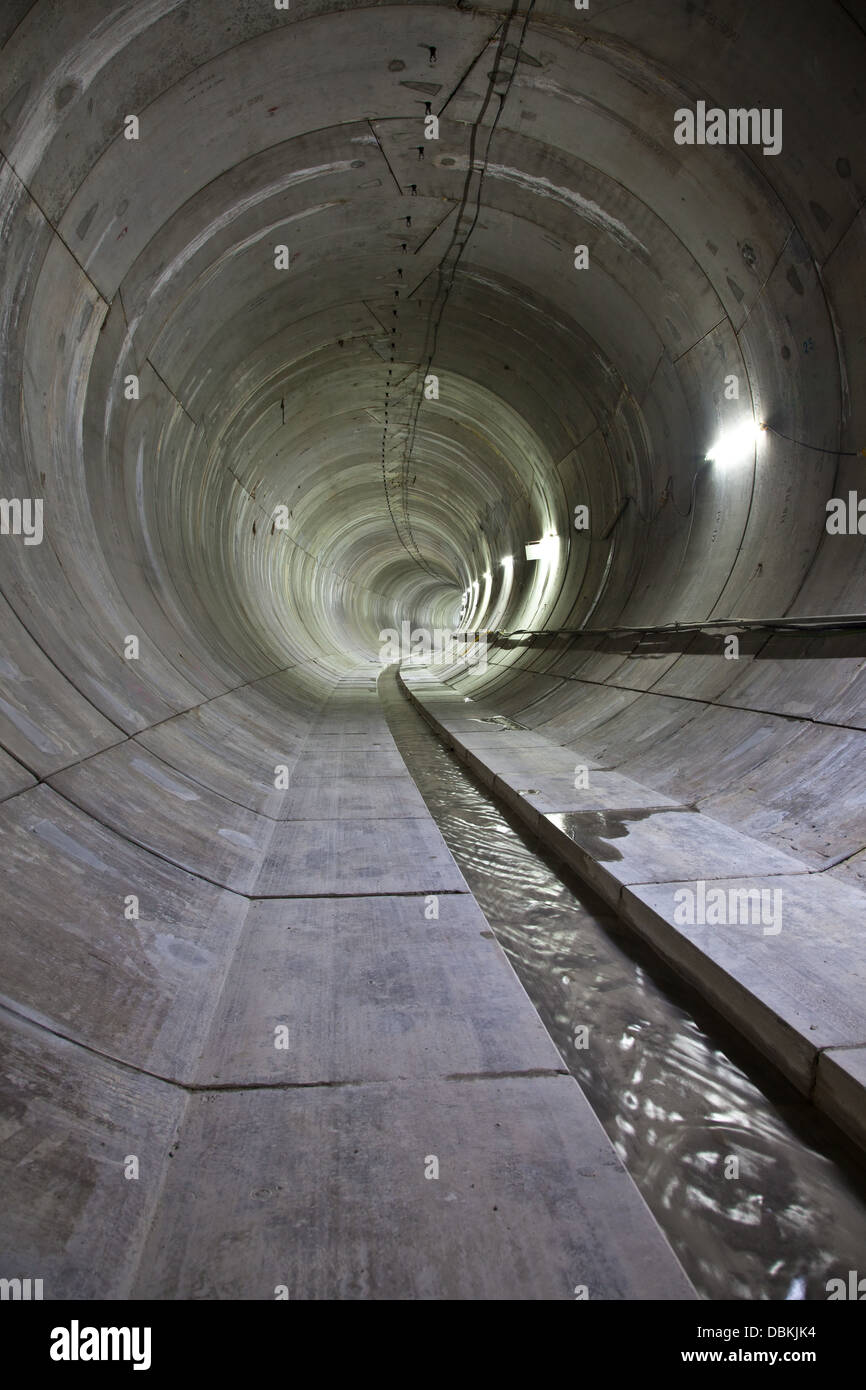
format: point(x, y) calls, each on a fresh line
point(302, 388)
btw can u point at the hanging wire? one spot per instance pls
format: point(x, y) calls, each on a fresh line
point(443, 289)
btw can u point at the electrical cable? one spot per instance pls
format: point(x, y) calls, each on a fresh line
point(836, 622)
point(816, 448)
point(443, 290)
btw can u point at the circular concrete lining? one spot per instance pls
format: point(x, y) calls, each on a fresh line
point(233, 260)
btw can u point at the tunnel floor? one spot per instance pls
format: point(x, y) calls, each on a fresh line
point(377, 1110)
point(676, 1090)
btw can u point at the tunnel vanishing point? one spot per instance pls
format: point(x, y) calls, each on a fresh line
point(511, 357)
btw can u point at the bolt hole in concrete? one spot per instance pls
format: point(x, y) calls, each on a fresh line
point(678, 1092)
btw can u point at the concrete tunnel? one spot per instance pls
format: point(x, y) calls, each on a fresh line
point(323, 321)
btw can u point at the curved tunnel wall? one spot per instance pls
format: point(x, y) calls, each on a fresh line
point(261, 388)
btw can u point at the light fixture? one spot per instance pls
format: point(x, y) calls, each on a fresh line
point(545, 549)
point(488, 587)
point(505, 587)
point(736, 445)
point(471, 601)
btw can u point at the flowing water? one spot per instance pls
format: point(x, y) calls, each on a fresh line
point(760, 1197)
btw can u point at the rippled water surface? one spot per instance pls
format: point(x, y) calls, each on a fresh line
point(684, 1102)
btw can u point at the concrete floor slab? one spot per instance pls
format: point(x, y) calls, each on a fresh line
point(347, 725)
point(453, 716)
point(466, 725)
point(314, 767)
point(354, 798)
point(500, 739)
point(372, 989)
point(355, 857)
point(607, 791)
point(530, 1201)
point(613, 848)
point(320, 743)
point(489, 763)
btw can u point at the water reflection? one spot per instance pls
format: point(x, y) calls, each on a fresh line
point(756, 1193)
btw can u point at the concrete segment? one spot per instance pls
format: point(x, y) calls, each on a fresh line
point(499, 739)
point(372, 989)
point(353, 798)
point(514, 1214)
point(607, 791)
point(164, 811)
point(611, 848)
point(140, 988)
point(357, 856)
point(225, 756)
point(489, 763)
point(318, 765)
point(71, 1122)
